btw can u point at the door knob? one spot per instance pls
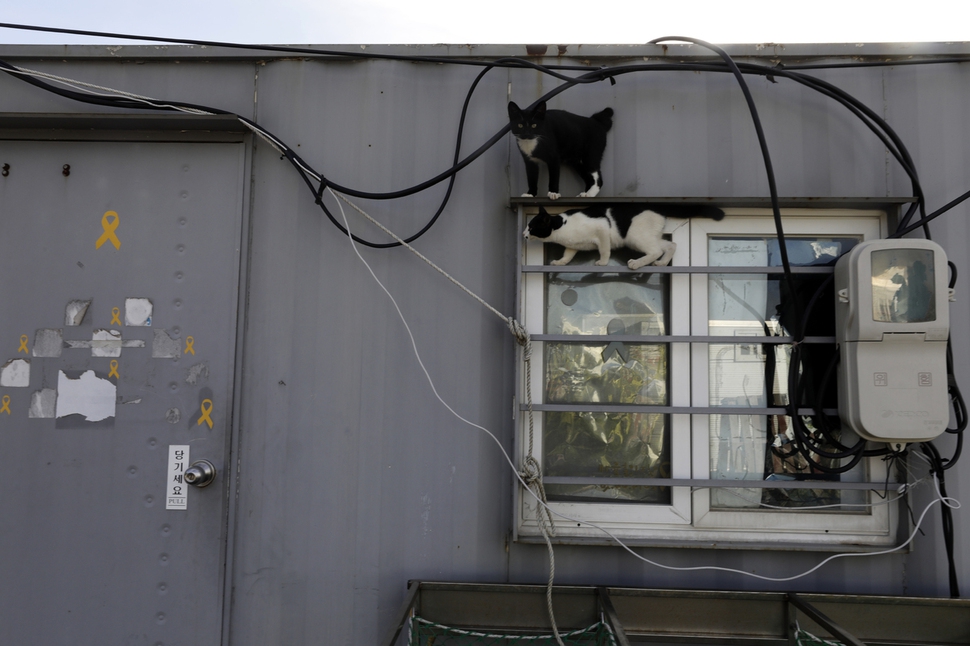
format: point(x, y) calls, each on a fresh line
point(200, 474)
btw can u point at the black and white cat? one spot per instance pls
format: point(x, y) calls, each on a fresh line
point(555, 136)
point(604, 227)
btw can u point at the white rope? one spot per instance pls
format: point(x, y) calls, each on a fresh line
point(530, 475)
point(277, 145)
point(105, 91)
point(514, 326)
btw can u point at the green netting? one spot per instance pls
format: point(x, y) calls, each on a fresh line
point(805, 638)
point(426, 633)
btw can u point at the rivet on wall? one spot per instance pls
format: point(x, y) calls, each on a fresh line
point(66, 170)
point(6, 170)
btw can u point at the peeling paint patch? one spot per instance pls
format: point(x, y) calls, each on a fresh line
point(106, 343)
point(48, 343)
point(42, 403)
point(89, 396)
point(165, 347)
point(15, 373)
point(197, 372)
point(138, 312)
point(131, 401)
point(100, 343)
point(75, 311)
point(173, 416)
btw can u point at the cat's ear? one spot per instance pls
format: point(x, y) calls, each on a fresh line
point(549, 222)
point(540, 111)
point(514, 111)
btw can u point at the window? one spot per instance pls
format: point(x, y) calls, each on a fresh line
point(638, 401)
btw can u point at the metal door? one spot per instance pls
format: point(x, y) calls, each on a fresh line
point(119, 282)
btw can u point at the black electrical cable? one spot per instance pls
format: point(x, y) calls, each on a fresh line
point(806, 444)
point(905, 160)
point(593, 76)
point(946, 513)
point(898, 149)
point(590, 77)
point(766, 156)
point(960, 413)
point(510, 62)
point(884, 63)
point(444, 201)
point(932, 216)
point(820, 419)
point(364, 55)
point(298, 163)
point(283, 49)
point(803, 441)
point(515, 62)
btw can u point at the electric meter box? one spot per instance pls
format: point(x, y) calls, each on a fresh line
point(892, 324)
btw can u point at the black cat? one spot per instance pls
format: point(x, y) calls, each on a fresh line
point(554, 136)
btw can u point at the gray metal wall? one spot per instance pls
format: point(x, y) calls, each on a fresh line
point(350, 477)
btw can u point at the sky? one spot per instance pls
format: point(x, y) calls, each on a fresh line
point(300, 22)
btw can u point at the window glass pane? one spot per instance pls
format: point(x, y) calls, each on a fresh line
point(627, 303)
point(759, 299)
point(614, 373)
point(903, 286)
point(605, 445)
point(755, 447)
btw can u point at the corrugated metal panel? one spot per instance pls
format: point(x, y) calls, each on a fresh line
point(352, 478)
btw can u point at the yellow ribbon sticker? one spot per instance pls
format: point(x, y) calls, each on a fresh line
point(206, 409)
point(114, 369)
point(6, 405)
point(114, 316)
point(23, 344)
point(189, 345)
point(109, 222)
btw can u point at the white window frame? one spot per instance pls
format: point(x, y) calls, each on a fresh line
point(624, 520)
point(690, 518)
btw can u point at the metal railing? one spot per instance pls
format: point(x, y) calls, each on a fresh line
point(642, 615)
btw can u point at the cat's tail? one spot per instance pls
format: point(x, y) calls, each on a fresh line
point(686, 210)
point(604, 118)
point(708, 211)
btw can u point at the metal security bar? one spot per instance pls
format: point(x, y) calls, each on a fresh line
point(694, 269)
